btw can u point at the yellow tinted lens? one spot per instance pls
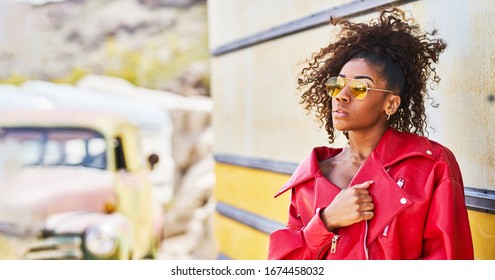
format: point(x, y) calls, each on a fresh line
point(359, 89)
point(335, 85)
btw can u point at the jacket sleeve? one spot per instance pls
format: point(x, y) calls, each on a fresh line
point(447, 233)
point(299, 241)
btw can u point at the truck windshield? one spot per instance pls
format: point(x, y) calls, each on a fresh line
point(57, 146)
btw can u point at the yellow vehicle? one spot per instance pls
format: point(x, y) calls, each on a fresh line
point(75, 185)
point(262, 133)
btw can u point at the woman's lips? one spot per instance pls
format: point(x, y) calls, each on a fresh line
point(339, 113)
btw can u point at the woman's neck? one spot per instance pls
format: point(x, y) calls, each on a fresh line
point(362, 143)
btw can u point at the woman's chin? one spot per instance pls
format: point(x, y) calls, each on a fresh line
point(341, 126)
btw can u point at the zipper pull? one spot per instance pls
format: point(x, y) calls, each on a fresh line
point(334, 243)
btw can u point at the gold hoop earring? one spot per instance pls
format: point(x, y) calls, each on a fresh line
point(388, 116)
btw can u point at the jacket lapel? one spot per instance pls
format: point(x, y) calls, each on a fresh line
point(388, 198)
point(308, 168)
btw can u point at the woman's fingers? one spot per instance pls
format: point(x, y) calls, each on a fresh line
point(363, 198)
point(367, 206)
point(362, 188)
point(364, 201)
point(350, 206)
point(367, 215)
point(364, 185)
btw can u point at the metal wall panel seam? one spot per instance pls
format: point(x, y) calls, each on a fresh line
point(257, 163)
point(252, 220)
point(312, 21)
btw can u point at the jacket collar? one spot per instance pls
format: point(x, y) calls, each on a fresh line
point(393, 147)
point(308, 168)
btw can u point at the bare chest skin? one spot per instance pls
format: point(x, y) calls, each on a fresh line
point(340, 169)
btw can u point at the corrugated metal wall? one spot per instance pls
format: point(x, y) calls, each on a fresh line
point(259, 123)
point(257, 105)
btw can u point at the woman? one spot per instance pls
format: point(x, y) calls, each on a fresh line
point(391, 193)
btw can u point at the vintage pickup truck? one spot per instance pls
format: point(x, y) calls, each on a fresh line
point(75, 185)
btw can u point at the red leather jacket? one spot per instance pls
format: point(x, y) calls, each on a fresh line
point(418, 195)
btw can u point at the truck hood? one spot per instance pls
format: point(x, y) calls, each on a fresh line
point(35, 193)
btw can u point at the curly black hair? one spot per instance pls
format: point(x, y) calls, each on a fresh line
point(395, 46)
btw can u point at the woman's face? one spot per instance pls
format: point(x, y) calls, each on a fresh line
point(349, 114)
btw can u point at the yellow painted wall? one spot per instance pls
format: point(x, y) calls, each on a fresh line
point(483, 231)
point(238, 241)
point(252, 190)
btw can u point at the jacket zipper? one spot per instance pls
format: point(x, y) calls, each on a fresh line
point(334, 243)
point(365, 237)
point(317, 257)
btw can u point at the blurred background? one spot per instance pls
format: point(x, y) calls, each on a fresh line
point(107, 143)
point(144, 60)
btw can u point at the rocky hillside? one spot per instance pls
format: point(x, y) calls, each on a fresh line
point(159, 44)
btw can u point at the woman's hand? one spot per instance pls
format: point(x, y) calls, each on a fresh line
point(350, 206)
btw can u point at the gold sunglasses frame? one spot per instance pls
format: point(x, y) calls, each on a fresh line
point(347, 82)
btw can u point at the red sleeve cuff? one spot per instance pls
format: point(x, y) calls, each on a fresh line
point(315, 233)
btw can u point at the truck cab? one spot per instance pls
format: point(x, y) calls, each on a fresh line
point(75, 185)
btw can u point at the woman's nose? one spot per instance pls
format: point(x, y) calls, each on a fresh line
point(343, 95)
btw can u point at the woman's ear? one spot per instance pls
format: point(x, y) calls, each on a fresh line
point(393, 104)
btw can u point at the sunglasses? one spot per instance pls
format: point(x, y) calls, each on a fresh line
point(359, 88)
